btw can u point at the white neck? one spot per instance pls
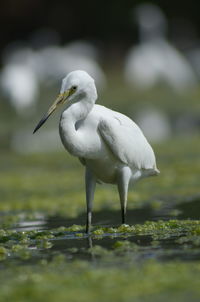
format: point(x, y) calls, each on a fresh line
point(72, 139)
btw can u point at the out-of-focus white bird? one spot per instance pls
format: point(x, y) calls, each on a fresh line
point(54, 62)
point(19, 83)
point(110, 145)
point(50, 64)
point(155, 60)
point(18, 80)
point(154, 123)
point(84, 55)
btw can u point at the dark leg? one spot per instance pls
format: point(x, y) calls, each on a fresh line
point(123, 183)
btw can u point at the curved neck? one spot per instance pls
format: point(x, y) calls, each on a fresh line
point(72, 138)
point(78, 111)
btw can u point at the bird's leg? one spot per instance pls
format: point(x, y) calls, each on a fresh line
point(123, 183)
point(90, 184)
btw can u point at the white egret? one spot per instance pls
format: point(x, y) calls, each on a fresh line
point(19, 83)
point(155, 123)
point(54, 62)
point(110, 145)
point(154, 60)
point(18, 79)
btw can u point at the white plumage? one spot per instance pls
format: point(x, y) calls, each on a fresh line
point(154, 60)
point(110, 145)
point(19, 83)
point(54, 62)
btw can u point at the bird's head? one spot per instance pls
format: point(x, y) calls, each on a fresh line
point(76, 86)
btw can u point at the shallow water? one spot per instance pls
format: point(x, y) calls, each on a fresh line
point(153, 262)
point(76, 245)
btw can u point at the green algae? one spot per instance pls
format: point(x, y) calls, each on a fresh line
point(44, 263)
point(148, 228)
point(173, 226)
point(80, 281)
point(125, 245)
point(99, 231)
point(137, 239)
point(114, 262)
point(3, 250)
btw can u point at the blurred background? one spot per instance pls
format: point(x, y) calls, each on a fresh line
point(145, 60)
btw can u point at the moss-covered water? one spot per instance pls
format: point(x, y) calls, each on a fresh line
point(44, 251)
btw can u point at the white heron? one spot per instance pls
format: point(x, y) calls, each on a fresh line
point(54, 62)
point(110, 145)
point(154, 60)
point(18, 79)
point(19, 83)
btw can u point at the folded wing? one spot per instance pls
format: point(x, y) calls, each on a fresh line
point(126, 141)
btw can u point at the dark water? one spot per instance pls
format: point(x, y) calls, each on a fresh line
point(73, 247)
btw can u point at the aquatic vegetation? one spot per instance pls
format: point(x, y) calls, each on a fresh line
point(118, 275)
point(81, 281)
point(151, 234)
point(44, 250)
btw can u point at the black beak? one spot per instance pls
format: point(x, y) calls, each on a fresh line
point(43, 120)
point(60, 100)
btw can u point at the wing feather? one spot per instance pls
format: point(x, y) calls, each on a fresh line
point(126, 141)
